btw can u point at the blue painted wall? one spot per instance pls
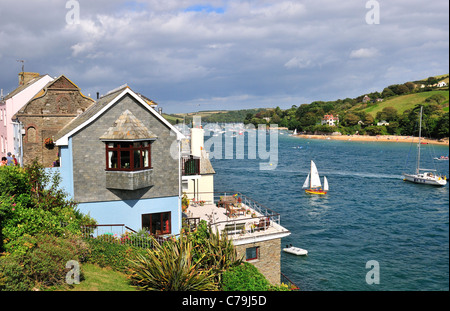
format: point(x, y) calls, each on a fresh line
point(129, 212)
point(126, 212)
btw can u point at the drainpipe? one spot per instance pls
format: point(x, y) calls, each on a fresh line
point(180, 218)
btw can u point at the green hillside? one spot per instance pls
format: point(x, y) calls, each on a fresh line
point(407, 102)
point(397, 105)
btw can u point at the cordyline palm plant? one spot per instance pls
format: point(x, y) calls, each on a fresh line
point(217, 253)
point(170, 267)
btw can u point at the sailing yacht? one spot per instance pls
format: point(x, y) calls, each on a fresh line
point(312, 184)
point(422, 175)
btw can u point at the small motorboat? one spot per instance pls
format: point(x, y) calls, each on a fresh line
point(442, 158)
point(295, 250)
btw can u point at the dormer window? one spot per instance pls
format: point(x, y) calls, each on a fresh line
point(128, 155)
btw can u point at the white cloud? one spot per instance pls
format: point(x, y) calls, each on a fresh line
point(240, 50)
point(364, 53)
point(297, 62)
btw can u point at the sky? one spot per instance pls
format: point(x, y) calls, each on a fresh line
point(193, 55)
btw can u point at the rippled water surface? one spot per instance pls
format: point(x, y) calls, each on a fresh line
point(370, 213)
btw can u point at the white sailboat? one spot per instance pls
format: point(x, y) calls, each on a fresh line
point(424, 176)
point(312, 184)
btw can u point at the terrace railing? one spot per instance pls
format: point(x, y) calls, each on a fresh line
point(120, 234)
point(292, 286)
point(265, 217)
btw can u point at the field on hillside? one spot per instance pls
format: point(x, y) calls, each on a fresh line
point(404, 102)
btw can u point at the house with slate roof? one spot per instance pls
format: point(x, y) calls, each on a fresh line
point(30, 83)
point(120, 160)
point(55, 105)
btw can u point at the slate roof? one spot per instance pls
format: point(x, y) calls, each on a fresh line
point(88, 113)
point(128, 127)
point(23, 87)
point(101, 104)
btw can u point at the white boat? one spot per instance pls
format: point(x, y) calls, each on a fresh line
point(312, 184)
point(295, 250)
point(442, 158)
point(422, 175)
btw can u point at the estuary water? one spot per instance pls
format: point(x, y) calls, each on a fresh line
point(369, 214)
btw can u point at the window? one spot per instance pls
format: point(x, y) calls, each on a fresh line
point(157, 224)
point(128, 156)
point(252, 253)
point(31, 135)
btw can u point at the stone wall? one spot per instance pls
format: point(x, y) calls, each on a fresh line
point(269, 261)
point(46, 114)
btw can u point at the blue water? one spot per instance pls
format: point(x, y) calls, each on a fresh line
point(370, 213)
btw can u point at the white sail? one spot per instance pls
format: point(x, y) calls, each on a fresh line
point(314, 178)
point(325, 184)
point(306, 183)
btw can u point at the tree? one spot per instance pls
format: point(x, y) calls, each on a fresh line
point(369, 120)
point(411, 86)
point(432, 80)
point(442, 128)
point(388, 114)
point(351, 119)
point(387, 92)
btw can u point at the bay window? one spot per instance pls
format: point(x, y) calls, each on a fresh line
point(128, 155)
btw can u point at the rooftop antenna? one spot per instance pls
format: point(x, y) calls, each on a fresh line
point(23, 69)
point(23, 65)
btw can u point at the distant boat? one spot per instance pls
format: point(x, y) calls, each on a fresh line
point(442, 158)
point(312, 184)
point(424, 176)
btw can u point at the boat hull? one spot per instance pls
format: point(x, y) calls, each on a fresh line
point(315, 191)
point(425, 180)
point(296, 251)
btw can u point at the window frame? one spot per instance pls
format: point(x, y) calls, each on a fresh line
point(162, 216)
point(130, 149)
point(253, 258)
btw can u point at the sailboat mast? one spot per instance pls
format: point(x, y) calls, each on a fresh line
point(420, 136)
point(311, 175)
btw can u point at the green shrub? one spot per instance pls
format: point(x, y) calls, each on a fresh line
point(114, 255)
point(39, 261)
point(170, 267)
point(244, 277)
point(31, 202)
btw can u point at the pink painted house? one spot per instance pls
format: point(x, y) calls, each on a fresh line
point(30, 83)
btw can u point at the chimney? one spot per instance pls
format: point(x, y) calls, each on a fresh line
point(25, 77)
point(98, 95)
point(160, 110)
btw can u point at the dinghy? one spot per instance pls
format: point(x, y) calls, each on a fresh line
point(295, 250)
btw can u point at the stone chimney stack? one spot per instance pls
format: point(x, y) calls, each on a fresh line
point(25, 77)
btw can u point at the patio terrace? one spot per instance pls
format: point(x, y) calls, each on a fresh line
point(244, 219)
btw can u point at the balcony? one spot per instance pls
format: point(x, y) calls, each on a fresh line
point(190, 166)
point(241, 217)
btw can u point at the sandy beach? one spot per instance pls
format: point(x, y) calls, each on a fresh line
point(381, 138)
